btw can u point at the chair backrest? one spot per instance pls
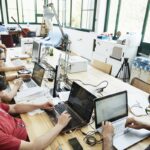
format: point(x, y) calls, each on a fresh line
point(117, 53)
point(140, 84)
point(107, 68)
point(7, 40)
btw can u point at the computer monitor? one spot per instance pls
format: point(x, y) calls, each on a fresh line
point(56, 87)
point(36, 51)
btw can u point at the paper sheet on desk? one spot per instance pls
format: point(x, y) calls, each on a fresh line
point(31, 94)
point(137, 103)
point(64, 95)
point(21, 56)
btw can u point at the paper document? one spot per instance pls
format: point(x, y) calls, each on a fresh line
point(64, 95)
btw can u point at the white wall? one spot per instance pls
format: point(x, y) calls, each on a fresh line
point(81, 42)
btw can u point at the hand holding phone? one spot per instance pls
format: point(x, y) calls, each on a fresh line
point(75, 144)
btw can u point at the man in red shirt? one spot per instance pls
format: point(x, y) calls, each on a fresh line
point(13, 134)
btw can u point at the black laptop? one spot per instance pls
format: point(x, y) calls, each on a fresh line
point(79, 106)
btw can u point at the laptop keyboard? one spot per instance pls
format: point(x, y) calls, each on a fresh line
point(120, 129)
point(30, 84)
point(60, 108)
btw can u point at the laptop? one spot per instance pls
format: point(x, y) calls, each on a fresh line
point(36, 79)
point(36, 51)
point(114, 108)
point(79, 105)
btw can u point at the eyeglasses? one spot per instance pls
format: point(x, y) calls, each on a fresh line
point(138, 110)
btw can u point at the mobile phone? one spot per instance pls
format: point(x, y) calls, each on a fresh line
point(75, 144)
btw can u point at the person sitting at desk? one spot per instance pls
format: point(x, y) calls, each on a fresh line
point(108, 131)
point(13, 134)
point(4, 68)
point(2, 46)
point(8, 96)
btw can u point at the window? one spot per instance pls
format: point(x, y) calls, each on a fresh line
point(1, 14)
point(132, 16)
point(76, 14)
point(147, 31)
point(129, 16)
point(25, 11)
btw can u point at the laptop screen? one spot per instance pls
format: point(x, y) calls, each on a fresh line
point(110, 108)
point(81, 101)
point(38, 73)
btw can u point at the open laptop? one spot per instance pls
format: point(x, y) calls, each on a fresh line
point(36, 51)
point(79, 106)
point(37, 77)
point(114, 108)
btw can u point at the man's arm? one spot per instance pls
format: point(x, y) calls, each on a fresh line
point(6, 69)
point(43, 141)
point(138, 122)
point(24, 108)
point(107, 133)
point(23, 76)
point(7, 97)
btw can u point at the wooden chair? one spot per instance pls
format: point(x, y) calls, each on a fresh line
point(140, 84)
point(107, 68)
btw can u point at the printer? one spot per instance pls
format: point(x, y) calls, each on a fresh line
point(75, 64)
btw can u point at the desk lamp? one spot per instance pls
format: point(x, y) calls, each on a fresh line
point(48, 15)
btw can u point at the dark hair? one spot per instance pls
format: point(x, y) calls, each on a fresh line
point(3, 85)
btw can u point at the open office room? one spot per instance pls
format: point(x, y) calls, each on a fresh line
point(76, 73)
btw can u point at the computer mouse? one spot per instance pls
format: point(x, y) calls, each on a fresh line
point(24, 71)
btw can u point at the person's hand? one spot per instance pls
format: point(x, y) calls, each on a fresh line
point(25, 76)
point(134, 123)
point(3, 46)
point(48, 105)
point(20, 68)
point(18, 83)
point(64, 119)
point(107, 130)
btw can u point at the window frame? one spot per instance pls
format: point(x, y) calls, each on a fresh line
point(36, 14)
point(143, 45)
point(1, 12)
point(70, 24)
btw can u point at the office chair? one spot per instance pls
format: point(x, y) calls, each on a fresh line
point(140, 84)
point(107, 68)
point(7, 40)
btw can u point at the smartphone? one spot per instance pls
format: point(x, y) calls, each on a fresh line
point(75, 144)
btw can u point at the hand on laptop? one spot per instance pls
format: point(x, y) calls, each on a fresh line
point(107, 130)
point(20, 68)
point(18, 83)
point(138, 123)
point(25, 76)
point(63, 119)
point(48, 105)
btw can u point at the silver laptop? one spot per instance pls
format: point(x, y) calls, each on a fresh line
point(114, 108)
point(36, 51)
point(37, 77)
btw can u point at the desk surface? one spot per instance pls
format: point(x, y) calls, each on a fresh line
point(40, 123)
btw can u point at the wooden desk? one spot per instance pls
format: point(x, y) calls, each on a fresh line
point(40, 123)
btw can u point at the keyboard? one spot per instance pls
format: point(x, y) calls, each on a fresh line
point(60, 108)
point(120, 129)
point(30, 84)
point(17, 62)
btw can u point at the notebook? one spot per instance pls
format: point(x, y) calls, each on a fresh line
point(114, 108)
point(37, 77)
point(79, 106)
